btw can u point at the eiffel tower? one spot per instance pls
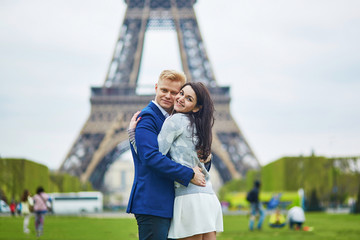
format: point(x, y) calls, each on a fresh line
point(104, 138)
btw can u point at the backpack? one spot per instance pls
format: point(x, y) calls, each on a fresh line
point(251, 196)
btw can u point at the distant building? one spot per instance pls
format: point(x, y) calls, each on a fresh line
point(119, 179)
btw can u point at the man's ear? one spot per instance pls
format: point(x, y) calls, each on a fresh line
point(196, 109)
point(156, 86)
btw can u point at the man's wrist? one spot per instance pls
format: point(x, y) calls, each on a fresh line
point(193, 175)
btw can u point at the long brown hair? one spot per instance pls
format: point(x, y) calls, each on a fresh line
point(203, 119)
point(25, 195)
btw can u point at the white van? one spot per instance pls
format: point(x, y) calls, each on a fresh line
point(4, 208)
point(76, 202)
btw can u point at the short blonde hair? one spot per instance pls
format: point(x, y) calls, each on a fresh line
point(172, 75)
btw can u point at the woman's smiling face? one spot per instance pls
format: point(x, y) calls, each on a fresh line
point(186, 100)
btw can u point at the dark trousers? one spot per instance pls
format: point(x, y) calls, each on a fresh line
point(152, 227)
point(294, 223)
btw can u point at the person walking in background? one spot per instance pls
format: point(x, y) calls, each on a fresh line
point(18, 208)
point(255, 206)
point(12, 207)
point(26, 204)
point(187, 136)
point(40, 209)
point(152, 195)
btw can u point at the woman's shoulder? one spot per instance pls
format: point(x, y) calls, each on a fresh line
point(44, 195)
point(177, 120)
point(179, 117)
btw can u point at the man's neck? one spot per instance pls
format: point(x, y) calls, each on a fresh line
point(164, 112)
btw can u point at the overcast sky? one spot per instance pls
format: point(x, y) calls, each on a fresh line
point(293, 67)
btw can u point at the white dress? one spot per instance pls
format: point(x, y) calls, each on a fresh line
point(197, 210)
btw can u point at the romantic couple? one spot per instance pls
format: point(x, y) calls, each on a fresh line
point(172, 196)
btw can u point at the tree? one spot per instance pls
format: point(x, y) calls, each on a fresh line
point(357, 204)
point(2, 196)
point(314, 204)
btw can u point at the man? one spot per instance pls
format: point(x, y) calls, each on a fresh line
point(296, 217)
point(152, 195)
point(256, 207)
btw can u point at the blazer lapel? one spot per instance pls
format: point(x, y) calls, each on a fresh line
point(157, 111)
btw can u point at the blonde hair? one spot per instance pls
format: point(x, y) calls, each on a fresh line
point(172, 75)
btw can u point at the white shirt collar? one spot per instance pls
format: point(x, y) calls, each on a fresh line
point(161, 109)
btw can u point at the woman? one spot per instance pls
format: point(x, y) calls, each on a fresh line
point(26, 204)
point(40, 209)
point(187, 136)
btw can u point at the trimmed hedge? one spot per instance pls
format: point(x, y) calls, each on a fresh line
point(19, 174)
point(330, 178)
point(333, 180)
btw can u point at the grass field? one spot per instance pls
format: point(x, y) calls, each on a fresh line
point(326, 226)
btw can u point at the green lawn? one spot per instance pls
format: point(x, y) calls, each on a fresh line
point(326, 226)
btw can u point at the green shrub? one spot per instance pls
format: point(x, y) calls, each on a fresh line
point(19, 174)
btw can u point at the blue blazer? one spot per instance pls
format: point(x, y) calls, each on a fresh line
point(153, 188)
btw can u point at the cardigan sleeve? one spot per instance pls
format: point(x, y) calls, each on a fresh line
point(131, 134)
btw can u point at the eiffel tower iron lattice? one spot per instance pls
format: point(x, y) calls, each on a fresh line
point(103, 138)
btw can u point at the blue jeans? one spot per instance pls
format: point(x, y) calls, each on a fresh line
point(152, 227)
point(256, 208)
point(39, 222)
